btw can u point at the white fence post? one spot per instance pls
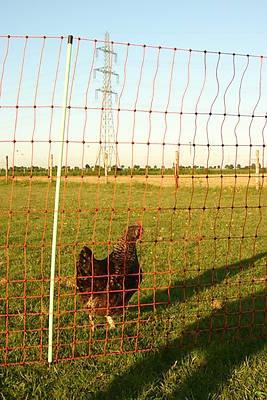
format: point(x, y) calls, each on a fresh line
point(257, 169)
point(6, 169)
point(50, 167)
point(56, 206)
point(176, 168)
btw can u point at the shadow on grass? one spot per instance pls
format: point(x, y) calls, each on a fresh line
point(226, 337)
point(184, 289)
point(225, 344)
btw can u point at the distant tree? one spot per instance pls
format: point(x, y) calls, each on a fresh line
point(87, 166)
point(238, 166)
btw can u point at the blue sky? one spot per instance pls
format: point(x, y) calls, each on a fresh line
point(226, 25)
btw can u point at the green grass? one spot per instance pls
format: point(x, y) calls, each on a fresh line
point(201, 314)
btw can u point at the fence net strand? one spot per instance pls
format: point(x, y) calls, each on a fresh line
point(163, 180)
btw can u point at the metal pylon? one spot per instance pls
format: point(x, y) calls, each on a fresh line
point(108, 154)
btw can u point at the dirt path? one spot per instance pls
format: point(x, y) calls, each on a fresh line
point(167, 180)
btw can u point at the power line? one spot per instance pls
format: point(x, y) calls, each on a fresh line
point(108, 154)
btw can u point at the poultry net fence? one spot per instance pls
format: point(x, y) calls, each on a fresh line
point(168, 140)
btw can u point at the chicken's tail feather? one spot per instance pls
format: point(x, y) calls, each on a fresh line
point(84, 269)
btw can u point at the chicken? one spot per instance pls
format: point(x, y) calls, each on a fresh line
point(107, 285)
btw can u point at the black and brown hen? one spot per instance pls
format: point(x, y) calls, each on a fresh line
point(107, 285)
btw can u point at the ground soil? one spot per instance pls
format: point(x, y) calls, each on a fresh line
point(166, 180)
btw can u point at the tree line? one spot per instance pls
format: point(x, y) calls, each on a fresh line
point(136, 170)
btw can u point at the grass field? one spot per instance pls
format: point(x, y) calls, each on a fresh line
point(198, 322)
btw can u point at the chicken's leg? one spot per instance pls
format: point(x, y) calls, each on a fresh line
point(91, 323)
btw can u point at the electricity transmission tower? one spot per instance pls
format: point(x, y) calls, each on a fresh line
point(108, 154)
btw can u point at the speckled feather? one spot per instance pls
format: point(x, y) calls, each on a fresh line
point(107, 285)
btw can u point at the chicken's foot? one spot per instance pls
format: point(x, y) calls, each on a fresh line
point(110, 322)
